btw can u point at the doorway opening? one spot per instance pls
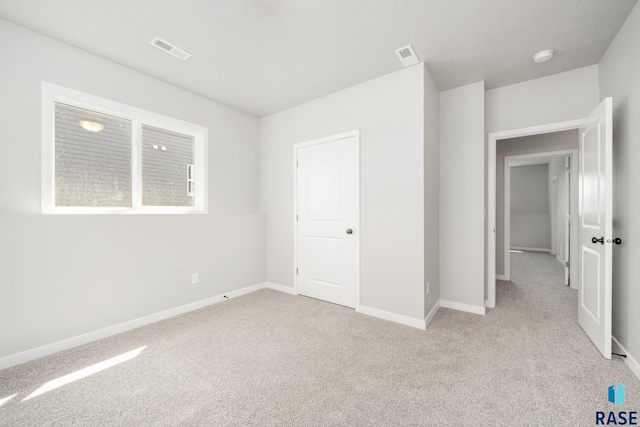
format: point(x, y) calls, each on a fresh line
point(492, 210)
point(539, 202)
point(594, 228)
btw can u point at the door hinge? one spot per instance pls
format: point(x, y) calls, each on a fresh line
point(566, 264)
point(296, 217)
point(296, 270)
point(296, 163)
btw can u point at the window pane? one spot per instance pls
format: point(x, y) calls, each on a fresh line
point(92, 158)
point(167, 159)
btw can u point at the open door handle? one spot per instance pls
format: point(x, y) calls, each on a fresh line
point(594, 240)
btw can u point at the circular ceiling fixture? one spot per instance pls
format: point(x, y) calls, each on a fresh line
point(543, 56)
point(91, 126)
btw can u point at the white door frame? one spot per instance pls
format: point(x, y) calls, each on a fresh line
point(345, 135)
point(553, 211)
point(491, 192)
point(568, 222)
point(573, 154)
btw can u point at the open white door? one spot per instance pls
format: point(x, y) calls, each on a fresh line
point(595, 226)
point(327, 212)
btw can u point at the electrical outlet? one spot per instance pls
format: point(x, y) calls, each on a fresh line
point(427, 288)
point(195, 278)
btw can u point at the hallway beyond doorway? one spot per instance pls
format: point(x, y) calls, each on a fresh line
point(537, 280)
point(541, 268)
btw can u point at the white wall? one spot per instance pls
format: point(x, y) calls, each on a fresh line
point(431, 192)
point(530, 215)
point(560, 97)
point(461, 195)
point(620, 78)
point(65, 275)
point(389, 111)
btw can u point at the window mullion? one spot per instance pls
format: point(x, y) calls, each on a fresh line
point(136, 164)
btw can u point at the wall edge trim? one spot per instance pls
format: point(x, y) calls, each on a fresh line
point(524, 248)
point(431, 314)
point(630, 361)
point(277, 287)
point(78, 340)
point(393, 317)
point(463, 307)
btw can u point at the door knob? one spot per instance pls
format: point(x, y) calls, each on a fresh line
point(617, 241)
point(349, 231)
point(594, 240)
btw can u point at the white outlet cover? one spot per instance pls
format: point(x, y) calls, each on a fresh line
point(195, 278)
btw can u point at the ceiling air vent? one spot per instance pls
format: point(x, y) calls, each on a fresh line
point(407, 56)
point(170, 48)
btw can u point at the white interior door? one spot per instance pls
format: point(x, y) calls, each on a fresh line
point(595, 223)
point(327, 211)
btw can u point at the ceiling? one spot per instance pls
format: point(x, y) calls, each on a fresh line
point(264, 56)
point(531, 161)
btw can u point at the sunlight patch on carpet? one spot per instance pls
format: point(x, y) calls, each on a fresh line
point(85, 372)
point(6, 399)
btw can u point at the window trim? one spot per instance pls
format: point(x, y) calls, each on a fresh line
point(53, 93)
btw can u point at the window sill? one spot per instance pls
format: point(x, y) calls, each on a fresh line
point(124, 211)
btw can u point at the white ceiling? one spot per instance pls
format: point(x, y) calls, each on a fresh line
point(264, 56)
point(530, 161)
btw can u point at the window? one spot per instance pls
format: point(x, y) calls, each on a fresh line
point(99, 156)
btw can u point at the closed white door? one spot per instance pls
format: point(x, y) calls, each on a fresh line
point(326, 213)
point(595, 222)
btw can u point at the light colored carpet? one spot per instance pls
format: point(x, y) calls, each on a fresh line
point(271, 359)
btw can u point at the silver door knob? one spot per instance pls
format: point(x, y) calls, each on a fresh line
point(349, 231)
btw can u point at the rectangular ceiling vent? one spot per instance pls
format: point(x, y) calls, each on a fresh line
point(407, 56)
point(170, 48)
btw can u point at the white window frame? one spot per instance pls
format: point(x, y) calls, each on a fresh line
point(53, 93)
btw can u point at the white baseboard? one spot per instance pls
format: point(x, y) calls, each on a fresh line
point(463, 307)
point(45, 350)
point(631, 362)
point(431, 315)
point(386, 315)
point(281, 288)
point(232, 294)
point(393, 317)
point(501, 277)
point(523, 248)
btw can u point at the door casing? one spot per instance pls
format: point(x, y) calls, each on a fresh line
point(493, 138)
